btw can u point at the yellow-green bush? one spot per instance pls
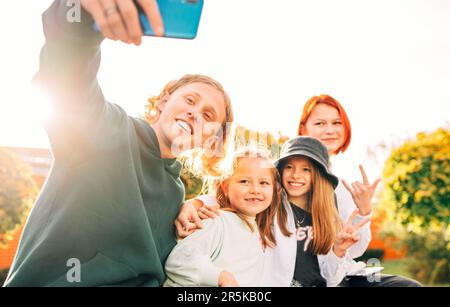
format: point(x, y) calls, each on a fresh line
point(416, 200)
point(431, 261)
point(417, 181)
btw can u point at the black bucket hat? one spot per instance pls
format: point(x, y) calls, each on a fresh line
point(311, 148)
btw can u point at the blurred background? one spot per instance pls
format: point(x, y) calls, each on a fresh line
point(387, 62)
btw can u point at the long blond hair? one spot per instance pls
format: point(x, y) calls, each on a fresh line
point(264, 219)
point(200, 162)
point(326, 221)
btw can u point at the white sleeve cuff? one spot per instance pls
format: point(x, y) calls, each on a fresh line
point(333, 257)
point(360, 217)
point(209, 275)
point(208, 199)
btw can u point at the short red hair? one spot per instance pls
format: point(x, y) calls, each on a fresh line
point(328, 100)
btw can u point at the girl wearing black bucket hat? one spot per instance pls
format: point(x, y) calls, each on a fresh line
point(320, 238)
point(306, 255)
point(324, 118)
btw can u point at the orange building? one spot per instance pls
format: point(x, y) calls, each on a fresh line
point(389, 252)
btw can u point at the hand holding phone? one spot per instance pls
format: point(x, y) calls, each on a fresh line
point(119, 20)
point(178, 18)
point(181, 18)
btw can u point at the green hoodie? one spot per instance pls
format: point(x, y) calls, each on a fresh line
point(110, 199)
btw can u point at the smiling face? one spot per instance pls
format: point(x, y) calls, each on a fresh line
point(296, 178)
point(189, 116)
point(250, 189)
point(325, 124)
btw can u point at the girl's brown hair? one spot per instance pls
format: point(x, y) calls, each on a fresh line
point(264, 219)
point(321, 203)
point(199, 161)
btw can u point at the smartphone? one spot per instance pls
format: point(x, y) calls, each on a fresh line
point(181, 18)
point(367, 271)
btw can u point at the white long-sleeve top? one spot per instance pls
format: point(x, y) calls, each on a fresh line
point(346, 206)
point(224, 243)
point(279, 262)
point(333, 268)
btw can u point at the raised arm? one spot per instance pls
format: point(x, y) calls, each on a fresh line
point(69, 62)
point(359, 195)
point(70, 58)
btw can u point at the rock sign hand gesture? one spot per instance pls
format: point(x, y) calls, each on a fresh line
point(362, 193)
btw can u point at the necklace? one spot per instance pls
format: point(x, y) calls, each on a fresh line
point(297, 210)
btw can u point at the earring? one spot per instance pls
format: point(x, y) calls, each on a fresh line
point(152, 114)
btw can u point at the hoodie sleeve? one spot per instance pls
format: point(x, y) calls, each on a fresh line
point(190, 264)
point(334, 268)
point(207, 199)
point(358, 249)
point(346, 206)
point(68, 66)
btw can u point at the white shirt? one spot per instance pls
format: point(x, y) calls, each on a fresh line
point(279, 262)
point(224, 243)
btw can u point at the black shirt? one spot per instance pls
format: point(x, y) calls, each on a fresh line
point(307, 270)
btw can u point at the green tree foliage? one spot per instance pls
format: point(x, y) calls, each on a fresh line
point(417, 181)
point(416, 200)
point(17, 192)
point(431, 251)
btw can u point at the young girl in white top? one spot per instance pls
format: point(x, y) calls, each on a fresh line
point(309, 258)
point(228, 250)
point(310, 237)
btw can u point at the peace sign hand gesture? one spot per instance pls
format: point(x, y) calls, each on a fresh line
point(362, 193)
point(348, 235)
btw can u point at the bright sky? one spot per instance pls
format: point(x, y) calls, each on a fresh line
point(386, 61)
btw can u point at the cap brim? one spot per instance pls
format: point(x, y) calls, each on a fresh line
point(332, 178)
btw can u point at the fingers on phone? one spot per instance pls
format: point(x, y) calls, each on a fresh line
point(130, 16)
point(114, 21)
point(96, 10)
point(151, 10)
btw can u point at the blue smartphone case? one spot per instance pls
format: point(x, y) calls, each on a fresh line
point(181, 18)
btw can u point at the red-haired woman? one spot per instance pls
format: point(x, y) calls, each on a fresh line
point(324, 118)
